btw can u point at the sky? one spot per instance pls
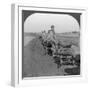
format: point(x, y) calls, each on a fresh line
point(38, 22)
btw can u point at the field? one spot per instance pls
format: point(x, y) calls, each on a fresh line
point(36, 63)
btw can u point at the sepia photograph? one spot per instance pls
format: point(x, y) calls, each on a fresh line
point(50, 43)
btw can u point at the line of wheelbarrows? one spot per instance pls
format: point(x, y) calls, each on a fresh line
point(62, 54)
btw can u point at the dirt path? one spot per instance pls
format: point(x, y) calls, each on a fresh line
point(27, 40)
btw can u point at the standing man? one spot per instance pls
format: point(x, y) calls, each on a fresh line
point(51, 34)
point(51, 40)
